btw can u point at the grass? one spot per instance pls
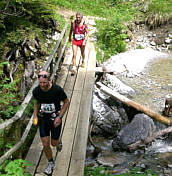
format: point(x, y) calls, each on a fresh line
point(103, 171)
point(111, 31)
point(89, 7)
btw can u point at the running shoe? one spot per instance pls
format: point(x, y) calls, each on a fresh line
point(73, 70)
point(83, 64)
point(49, 169)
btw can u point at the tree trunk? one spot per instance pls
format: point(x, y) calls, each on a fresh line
point(135, 105)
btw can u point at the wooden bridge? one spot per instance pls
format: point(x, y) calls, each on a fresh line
point(79, 88)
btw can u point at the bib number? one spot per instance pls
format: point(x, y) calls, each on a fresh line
point(48, 108)
point(79, 36)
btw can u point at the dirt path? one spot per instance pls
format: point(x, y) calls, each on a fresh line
point(66, 14)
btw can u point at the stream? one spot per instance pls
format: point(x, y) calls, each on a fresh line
point(151, 87)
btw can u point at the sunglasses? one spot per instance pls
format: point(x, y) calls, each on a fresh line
point(43, 76)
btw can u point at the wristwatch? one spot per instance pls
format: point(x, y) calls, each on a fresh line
point(61, 116)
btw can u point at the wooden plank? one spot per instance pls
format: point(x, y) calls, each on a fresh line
point(90, 76)
point(79, 149)
point(70, 125)
point(80, 142)
point(79, 84)
point(64, 71)
point(63, 158)
point(34, 154)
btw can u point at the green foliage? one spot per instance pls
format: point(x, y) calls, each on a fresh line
point(24, 19)
point(14, 168)
point(29, 108)
point(103, 171)
point(170, 48)
point(9, 95)
point(98, 171)
point(159, 12)
point(89, 7)
point(137, 171)
point(110, 35)
point(163, 6)
point(139, 47)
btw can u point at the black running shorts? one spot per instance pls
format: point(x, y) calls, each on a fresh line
point(46, 126)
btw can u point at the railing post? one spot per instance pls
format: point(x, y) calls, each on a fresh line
point(18, 153)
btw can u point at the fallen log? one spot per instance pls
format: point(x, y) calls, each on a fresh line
point(103, 69)
point(140, 143)
point(133, 104)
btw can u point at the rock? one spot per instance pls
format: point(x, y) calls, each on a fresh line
point(168, 41)
point(114, 83)
point(132, 62)
point(110, 159)
point(139, 129)
point(159, 41)
point(153, 43)
point(108, 114)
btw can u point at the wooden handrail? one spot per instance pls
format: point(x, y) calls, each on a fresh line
point(56, 67)
point(55, 49)
point(29, 96)
point(18, 145)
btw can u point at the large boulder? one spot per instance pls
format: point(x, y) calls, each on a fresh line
point(109, 115)
point(140, 128)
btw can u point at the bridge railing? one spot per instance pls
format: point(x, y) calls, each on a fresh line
point(52, 65)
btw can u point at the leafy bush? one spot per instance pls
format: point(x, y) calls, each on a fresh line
point(98, 171)
point(14, 168)
point(110, 35)
point(9, 95)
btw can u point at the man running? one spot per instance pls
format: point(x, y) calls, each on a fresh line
point(48, 111)
point(80, 37)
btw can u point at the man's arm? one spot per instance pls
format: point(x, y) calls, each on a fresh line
point(35, 113)
point(62, 112)
point(87, 34)
point(71, 31)
point(64, 107)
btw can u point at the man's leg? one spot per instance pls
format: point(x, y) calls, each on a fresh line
point(57, 144)
point(48, 153)
point(54, 142)
point(55, 137)
point(83, 55)
point(74, 48)
point(46, 147)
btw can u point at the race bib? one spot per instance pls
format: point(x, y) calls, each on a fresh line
point(79, 36)
point(48, 108)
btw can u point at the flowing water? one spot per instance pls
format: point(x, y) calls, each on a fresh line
point(151, 87)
